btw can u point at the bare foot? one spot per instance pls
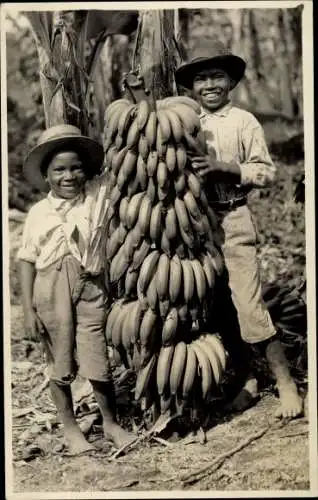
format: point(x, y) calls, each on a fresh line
point(291, 403)
point(246, 398)
point(78, 445)
point(118, 435)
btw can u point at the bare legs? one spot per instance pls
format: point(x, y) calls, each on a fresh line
point(105, 397)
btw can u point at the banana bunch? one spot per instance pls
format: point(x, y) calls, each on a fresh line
point(184, 368)
point(163, 249)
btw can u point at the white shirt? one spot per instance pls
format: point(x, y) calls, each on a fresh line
point(233, 134)
point(55, 227)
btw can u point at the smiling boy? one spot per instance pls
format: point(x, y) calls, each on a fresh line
point(62, 274)
point(237, 161)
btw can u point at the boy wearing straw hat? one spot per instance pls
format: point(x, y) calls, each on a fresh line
point(237, 160)
point(62, 264)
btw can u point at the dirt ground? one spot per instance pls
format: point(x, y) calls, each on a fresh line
point(276, 460)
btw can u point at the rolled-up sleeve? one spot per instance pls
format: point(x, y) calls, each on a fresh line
point(29, 248)
point(258, 169)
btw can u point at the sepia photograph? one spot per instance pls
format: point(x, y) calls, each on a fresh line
point(158, 201)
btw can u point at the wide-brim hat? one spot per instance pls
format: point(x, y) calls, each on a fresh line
point(58, 138)
point(217, 56)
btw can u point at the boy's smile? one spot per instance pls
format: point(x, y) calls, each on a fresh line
point(66, 175)
point(211, 88)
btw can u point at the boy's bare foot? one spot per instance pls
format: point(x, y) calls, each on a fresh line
point(77, 444)
point(291, 403)
point(246, 398)
point(118, 435)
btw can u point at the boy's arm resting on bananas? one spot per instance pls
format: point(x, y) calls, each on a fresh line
point(257, 169)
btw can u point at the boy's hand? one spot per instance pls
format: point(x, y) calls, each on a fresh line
point(32, 326)
point(204, 165)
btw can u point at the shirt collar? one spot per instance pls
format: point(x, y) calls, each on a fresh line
point(61, 204)
point(220, 112)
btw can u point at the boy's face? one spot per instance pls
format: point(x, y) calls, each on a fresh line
point(211, 88)
point(66, 175)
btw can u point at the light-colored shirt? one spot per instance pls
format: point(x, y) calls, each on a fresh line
point(55, 227)
point(235, 135)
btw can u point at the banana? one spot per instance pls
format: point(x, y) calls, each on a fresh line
point(183, 313)
point(183, 100)
point(118, 266)
point(194, 184)
point(162, 174)
point(112, 123)
point(192, 206)
point(208, 270)
point(151, 129)
point(170, 327)
point(144, 215)
point(182, 215)
point(133, 187)
point(147, 328)
point(109, 154)
point(142, 172)
point(113, 225)
point(199, 277)
point(114, 242)
point(131, 279)
point(126, 169)
point(142, 116)
point(215, 361)
point(165, 243)
point(188, 237)
point(133, 135)
point(180, 184)
point(143, 148)
point(152, 295)
point(171, 157)
point(112, 315)
point(118, 326)
point(164, 308)
point(162, 277)
point(198, 226)
point(175, 125)
point(217, 261)
point(181, 158)
point(123, 209)
point(163, 192)
point(132, 241)
point(215, 226)
point(140, 254)
point(161, 147)
point(178, 367)
point(147, 270)
point(136, 358)
point(152, 163)
point(207, 228)
point(163, 369)
point(191, 368)
point(175, 278)
point(205, 369)
point(119, 141)
point(155, 222)
point(151, 190)
point(165, 404)
point(188, 280)
point(118, 159)
point(134, 322)
point(111, 108)
point(189, 118)
point(181, 250)
point(133, 208)
point(144, 377)
point(164, 125)
point(218, 347)
point(171, 221)
point(125, 119)
point(125, 333)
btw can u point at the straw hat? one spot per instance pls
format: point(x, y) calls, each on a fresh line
point(57, 138)
point(216, 56)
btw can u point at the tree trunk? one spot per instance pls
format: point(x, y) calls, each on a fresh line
point(156, 53)
point(283, 61)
